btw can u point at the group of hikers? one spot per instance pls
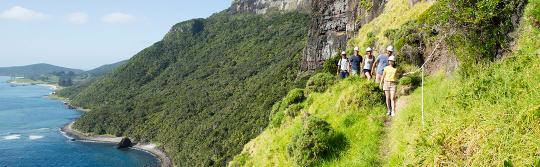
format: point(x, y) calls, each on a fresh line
point(383, 67)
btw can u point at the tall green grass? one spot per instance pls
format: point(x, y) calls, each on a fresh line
point(486, 119)
point(395, 14)
point(352, 107)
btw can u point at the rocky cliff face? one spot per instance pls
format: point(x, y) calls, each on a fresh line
point(333, 23)
point(265, 6)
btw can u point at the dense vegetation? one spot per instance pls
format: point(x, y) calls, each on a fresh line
point(83, 81)
point(104, 69)
point(203, 91)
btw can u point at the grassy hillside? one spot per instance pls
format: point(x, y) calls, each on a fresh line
point(395, 15)
point(203, 91)
point(489, 119)
point(353, 108)
point(486, 114)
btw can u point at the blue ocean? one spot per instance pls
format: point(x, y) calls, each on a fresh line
point(30, 134)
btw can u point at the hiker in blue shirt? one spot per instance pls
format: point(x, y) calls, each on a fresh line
point(355, 62)
point(343, 66)
point(381, 62)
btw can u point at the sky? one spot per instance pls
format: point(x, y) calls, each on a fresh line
point(85, 34)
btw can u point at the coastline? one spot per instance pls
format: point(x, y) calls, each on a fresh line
point(164, 160)
point(74, 134)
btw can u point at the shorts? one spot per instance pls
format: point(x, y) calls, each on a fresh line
point(390, 86)
point(366, 70)
point(343, 74)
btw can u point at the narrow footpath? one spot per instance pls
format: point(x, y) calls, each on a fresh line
point(385, 144)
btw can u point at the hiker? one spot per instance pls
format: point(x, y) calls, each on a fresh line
point(367, 64)
point(356, 59)
point(343, 66)
point(389, 84)
point(381, 62)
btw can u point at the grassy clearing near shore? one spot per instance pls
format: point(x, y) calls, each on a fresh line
point(489, 119)
point(344, 107)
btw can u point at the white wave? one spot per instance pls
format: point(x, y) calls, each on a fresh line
point(66, 135)
point(12, 137)
point(35, 137)
point(44, 129)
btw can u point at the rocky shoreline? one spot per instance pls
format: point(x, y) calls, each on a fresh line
point(165, 161)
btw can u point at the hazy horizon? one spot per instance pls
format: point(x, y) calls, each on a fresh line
point(86, 35)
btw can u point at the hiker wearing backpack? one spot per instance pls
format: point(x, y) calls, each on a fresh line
point(367, 64)
point(343, 66)
point(355, 62)
point(389, 85)
point(381, 62)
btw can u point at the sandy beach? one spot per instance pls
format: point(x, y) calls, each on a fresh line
point(165, 161)
point(53, 87)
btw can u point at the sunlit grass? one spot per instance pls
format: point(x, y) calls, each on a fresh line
point(361, 125)
point(485, 120)
point(396, 13)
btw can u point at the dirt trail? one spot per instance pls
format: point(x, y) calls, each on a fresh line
point(384, 145)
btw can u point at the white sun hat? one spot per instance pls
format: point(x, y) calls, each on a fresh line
point(356, 48)
point(390, 48)
point(343, 52)
point(392, 58)
point(369, 49)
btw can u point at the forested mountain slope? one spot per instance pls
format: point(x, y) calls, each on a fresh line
point(104, 69)
point(203, 91)
point(35, 70)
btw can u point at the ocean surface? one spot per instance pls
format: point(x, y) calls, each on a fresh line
point(30, 134)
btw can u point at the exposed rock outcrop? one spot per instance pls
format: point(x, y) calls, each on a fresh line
point(124, 143)
point(333, 23)
point(265, 6)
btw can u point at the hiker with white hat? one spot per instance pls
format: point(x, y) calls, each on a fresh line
point(367, 64)
point(355, 62)
point(343, 66)
point(389, 85)
point(381, 62)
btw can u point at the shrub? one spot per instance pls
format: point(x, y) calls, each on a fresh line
point(363, 94)
point(275, 109)
point(313, 143)
point(413, 80)
point(405, 81)
point(293, 110)
point(294, 96)
point(319, 83)
point(330, 65)
point(277, 119)
point(371, 39)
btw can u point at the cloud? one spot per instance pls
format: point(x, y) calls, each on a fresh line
point(78, 18)
point(22, 14)
point(118, 18)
